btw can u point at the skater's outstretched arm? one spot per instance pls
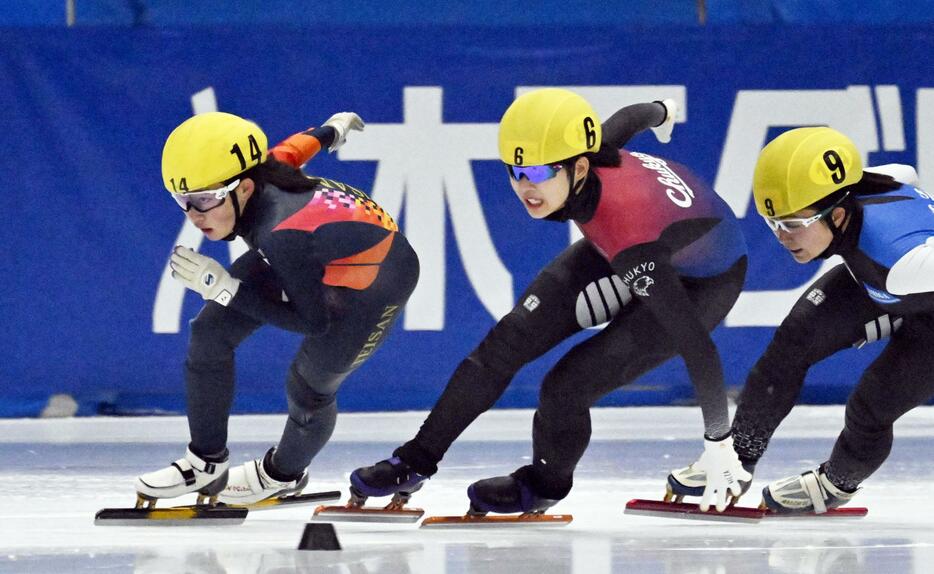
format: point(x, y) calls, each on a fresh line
point(297, 149)
point(647, 271)
point(619, 128)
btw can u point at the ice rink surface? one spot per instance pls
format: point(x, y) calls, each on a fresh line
point(56, 474)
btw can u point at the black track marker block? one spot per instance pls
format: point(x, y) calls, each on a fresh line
point(319, 536)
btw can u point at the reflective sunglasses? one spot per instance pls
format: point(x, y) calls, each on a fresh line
point(534, 173)
point(797, 224)
point(203, 201)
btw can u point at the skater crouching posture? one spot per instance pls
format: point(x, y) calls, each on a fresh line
point(324, 261)
point(813, 192)
point(662, 259)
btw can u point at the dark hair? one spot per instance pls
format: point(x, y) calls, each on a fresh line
point(606, 156)
point(281, 175)
point(870, 184)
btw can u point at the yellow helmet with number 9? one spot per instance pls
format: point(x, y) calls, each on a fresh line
point(547, 126)
point(802, 166)
point(210, 148)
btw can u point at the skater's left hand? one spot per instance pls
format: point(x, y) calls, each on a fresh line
point(663, 130)
point(342, 123)
point(724, 471)
point(203, 275)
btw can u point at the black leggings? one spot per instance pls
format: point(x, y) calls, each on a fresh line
point(360, 321)
point(576, 290)
point(832, 315)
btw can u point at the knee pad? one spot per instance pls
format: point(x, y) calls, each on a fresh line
point(208, 340)
point(558, 393)
point(861, 416)
point(506, 348)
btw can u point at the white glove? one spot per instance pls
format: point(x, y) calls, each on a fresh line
point(724, 471)
point(202, 274)
point(342, 123)
point(663, 131)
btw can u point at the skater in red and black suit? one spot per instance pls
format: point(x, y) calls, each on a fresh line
point(325, 261)
point(662, 260)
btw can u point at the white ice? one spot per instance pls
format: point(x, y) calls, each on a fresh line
point(56, 474)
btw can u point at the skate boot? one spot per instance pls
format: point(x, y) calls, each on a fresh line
point(388, 477)
point(251, 482)
point(689, 481)
point(507, 494)
point(811, 492)
point(188, 474)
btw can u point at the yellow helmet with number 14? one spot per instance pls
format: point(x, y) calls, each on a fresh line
point(210, 148)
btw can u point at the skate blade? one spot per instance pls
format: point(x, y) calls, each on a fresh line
point(172, 516)
point(740, 514)
point(366, 514)
point(305, 498)
point(854, 512)
point(497, 521)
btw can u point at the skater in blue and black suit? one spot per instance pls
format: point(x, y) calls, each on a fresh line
point(812, 190)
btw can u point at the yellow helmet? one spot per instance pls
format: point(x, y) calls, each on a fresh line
point(547, 126)
point(210, 148)
point(801, 167)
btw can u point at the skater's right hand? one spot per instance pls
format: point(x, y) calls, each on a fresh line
point(203, 275)
point(724, 472)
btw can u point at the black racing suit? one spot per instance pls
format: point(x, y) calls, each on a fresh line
point(663, 260)
point(850, 306)
point(328, 263)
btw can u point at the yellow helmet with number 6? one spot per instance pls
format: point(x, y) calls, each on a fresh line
point(802, 166)
point(547, 126)
point(210, 148)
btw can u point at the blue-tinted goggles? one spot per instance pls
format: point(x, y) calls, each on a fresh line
point(534, 173)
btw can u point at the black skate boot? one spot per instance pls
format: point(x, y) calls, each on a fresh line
point(508, 494)
point(388, 477)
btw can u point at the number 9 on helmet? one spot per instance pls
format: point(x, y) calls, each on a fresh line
point(802, 166)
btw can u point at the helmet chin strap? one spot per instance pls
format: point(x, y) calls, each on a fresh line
point(838, 233)
point(236, 205)
point(575, 188)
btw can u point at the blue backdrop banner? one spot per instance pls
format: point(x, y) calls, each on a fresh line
point(88, 308)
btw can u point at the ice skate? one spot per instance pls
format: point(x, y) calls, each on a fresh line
point(250, 485)
point(692, 481)
point(689, 481)
point(388, 477)
point(504, 495)
point(185, 475)
point(808, 494)
point(190, 474)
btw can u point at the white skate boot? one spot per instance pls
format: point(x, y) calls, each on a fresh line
point(812, 491)
point(249, 483)
point(188, 474)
